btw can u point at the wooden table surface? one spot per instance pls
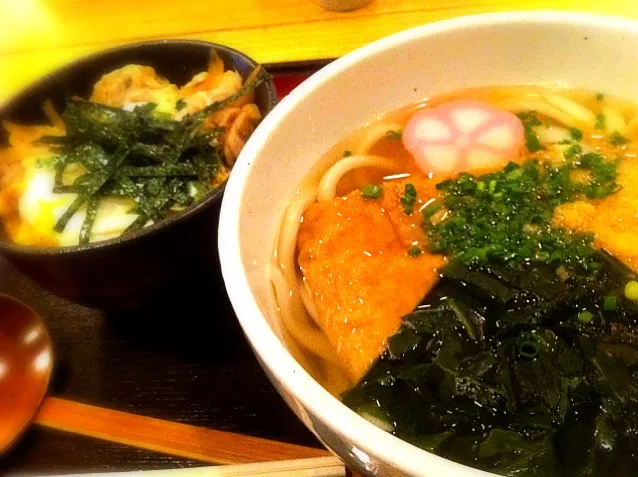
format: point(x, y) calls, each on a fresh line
point(201, 371)
point(39, 35)
point(190, 364)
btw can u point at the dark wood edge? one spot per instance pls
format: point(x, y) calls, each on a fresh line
point(297, 67)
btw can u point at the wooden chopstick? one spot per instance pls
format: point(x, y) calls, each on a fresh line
point(172, 438)
point(312, 467)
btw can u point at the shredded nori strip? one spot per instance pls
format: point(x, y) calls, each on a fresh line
point(257, 77)
point(142, 155)
point(70, 212)
point(91, 213)
point(168, 170)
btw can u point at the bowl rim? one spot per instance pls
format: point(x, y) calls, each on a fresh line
point(274, 357)
point(207, 200)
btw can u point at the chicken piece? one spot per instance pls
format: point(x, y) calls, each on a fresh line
point(353, 253)
point(614, 219)
point(196, 99)
point(206, 80)
point(135, 84)
point(239, 123)
point(239, 130)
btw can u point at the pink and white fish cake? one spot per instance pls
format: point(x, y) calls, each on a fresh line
point(463, 135)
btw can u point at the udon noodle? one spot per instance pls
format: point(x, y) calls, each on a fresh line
point(297, 310)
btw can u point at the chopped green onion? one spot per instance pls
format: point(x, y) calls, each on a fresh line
point(576, 134)
point(529, 120)
point(414, 251)
point(600, 96)
point(525, 252)
point(394, 135)
point(511, 211)
point(610, 303)
point(542, 256)
point(181, 104)
point(529, 349)
point(631, 290)
point(347, 153)
point(525, 336)
point(556, 258)
point(618, 139)
point(585, 317)
point(371, 191)
point(572, 151)
point(600, 122)
point(408, 199)
point(431, 209)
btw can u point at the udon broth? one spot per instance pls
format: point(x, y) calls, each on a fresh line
point(461, 272)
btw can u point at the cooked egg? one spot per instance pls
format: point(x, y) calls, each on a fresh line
point(41, 208)
point(136, 84)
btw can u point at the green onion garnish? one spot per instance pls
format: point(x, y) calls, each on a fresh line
point(408, 199)
point(181, 104)
point(529, 120)
point(414, 251)
point(527, 344)
point(617, 139)
point(631, 290)
point(600, 122)
point(585, 317)
point(610, 303)
point(431, 209)
point(371, 191)
point(529, 349)
point(573, 150)
point(394, 135)
point(502, 211)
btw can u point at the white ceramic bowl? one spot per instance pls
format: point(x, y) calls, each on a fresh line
point(594, 52)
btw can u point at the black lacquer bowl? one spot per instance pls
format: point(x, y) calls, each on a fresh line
point(157, 264)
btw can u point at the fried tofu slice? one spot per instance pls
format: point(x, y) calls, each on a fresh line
point(353, 253)
point(613, 220)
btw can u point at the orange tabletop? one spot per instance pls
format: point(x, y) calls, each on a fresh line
point(39, 35)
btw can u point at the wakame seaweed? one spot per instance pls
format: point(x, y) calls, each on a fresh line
point(495, 369)
point(143, 155)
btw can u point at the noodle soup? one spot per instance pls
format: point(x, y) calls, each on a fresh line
point(462, 274)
